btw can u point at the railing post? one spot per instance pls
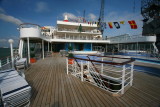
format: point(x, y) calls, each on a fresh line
point(102, 66)
point(131, 78)
point(7, 60)
point(67, 64)
point(0, 64)
point(74, 68)
point(81, 71)
point(88, 66)
point(123, 79)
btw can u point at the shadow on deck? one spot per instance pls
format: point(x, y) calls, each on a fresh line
point(52, 87)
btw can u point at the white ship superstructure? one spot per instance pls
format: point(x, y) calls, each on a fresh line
point(78, 35)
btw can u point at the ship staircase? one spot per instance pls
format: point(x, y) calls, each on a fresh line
point(103, 72)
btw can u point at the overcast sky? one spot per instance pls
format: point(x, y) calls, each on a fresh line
point(46, 12)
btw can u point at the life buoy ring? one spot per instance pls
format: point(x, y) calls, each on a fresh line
point(70, 61)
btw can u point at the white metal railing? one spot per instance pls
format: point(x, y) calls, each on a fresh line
point(103, 73)
point(5, 63)
point(76, 30)
point(135, 38)
point(77, 37)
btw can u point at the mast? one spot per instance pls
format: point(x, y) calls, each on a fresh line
point(101, 18)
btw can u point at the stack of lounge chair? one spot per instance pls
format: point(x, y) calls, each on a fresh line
point(14, 89)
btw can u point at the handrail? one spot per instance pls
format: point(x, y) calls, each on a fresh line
point(29, 24)
point(109, 57)
point(5, 57)
point(112, 63)
point(93, 65)
point(114, 82)
point(77, 63)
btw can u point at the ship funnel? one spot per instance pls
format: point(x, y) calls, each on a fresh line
point(65, 18)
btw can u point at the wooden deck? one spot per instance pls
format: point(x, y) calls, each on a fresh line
point(52, 87)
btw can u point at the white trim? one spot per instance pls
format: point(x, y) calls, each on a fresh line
point(80, 41)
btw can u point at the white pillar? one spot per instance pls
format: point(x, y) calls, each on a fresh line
point(20, 46)
point(28, 50)
point(67, 64)
point(22, 43)
point(0, 64)
point(48, 46)
point(43, 49)
point(51, 46)
point(11, 47)
point(118, 47)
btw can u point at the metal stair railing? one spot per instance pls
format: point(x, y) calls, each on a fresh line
point(110, 76)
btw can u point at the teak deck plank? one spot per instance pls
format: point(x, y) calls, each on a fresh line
point(52, 87)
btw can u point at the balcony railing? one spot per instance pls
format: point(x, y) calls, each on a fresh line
point(75, 37)
point(76, 31)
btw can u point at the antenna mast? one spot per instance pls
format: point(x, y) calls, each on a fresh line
point(101, 18)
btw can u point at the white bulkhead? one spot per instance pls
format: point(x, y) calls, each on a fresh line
point(30, 30)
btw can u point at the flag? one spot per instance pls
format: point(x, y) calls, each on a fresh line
point(133, 24)
point(43, 28)
point(110, 25)
point(121, 22)
point(116, 24)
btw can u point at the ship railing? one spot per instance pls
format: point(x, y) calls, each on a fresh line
point(77, 37)
point(75, 30)
point(113, 74)
point(5, 63)
point(126, 37)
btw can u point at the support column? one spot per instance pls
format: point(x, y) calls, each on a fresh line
point(48, 46)
point(19, 50)
point(22, 43)
point(118, 47)
point(67, 64)
point(91, 47)
point(51, 46)
point(43, 49)
point(106, 47)
point(28, 50)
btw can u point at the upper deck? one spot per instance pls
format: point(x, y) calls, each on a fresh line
point(86, 25)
